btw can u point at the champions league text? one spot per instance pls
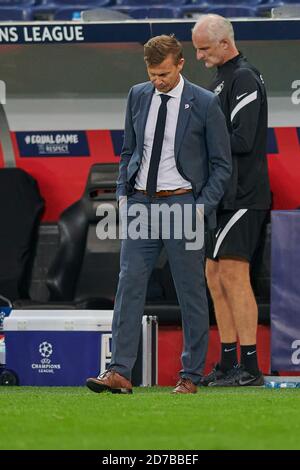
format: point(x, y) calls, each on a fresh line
point(41, 34)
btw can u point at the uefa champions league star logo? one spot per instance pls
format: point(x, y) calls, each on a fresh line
point(45, 349)
point(45, 365)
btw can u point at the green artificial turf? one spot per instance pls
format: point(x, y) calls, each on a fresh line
point(150, 419)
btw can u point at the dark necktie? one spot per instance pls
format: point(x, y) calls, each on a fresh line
point(157, 145)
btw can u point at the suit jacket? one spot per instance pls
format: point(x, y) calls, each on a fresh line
point(202, 145)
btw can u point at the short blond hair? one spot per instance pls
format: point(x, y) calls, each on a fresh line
point(217, 26)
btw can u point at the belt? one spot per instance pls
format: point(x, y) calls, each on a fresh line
point(166, 192)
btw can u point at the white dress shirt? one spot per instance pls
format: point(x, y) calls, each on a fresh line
point(168, 175)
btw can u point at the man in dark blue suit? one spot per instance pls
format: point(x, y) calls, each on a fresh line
point(176, 154)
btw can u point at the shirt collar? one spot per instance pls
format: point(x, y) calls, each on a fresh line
point(232, 61)
point(175, 92)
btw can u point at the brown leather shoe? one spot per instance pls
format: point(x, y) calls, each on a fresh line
point(185, 385)
point(110, 380)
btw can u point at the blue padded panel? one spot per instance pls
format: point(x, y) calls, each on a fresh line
point(229, 11)
point(15, 14)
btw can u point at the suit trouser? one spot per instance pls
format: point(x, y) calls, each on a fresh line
point(138, 258)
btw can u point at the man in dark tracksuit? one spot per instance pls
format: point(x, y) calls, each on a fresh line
point(243, 211)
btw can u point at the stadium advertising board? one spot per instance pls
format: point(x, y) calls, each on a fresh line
point(285, 296)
